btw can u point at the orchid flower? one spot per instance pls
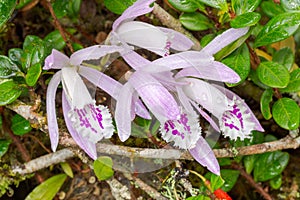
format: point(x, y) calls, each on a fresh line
point(87, 122)
point(156, 39)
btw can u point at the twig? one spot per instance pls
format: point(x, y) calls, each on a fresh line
point(58, 26)
point(250, 180)
point(118, 190)
point(169, 21)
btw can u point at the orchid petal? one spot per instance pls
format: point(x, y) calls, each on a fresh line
point(56, 60)
point(143, 35)
point(135, 60)
point(184, 132)
point(184, 100)
point(206, 95)
point(179, 41)
point(213, 71)
point(233, 96)
point(51, 111)
point(204, 155)
point(224, 39)
point(123, 112)
point(85, 144)
point(139, 8)
point(95, 52)
point(155, 96)
point(179, 61)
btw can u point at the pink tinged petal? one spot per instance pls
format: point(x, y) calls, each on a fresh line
point(179, 42)
point(51, 114)
point(143, 35)
point(224, 39)
point(179, 61)
point(139, 8)
point(135, 60)
point(157, 98)
point(206, 95)
point(139, 108)
point(75, 89)
point(204, 155)
point(95, 52)
point(85, 144)
point(213, 71)
point(56, 60)
point(106, 83)
point(123, 112)
point(184, 132)
point(184, 100)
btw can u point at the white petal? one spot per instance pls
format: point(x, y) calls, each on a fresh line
point(56, 60)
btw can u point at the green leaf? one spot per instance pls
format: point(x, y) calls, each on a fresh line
point(270, 165)
point(33, 74)
point(270, 138)
point(276, 182)
point(4, 145)
point(219, 4)
point(67, 169)
point(265, 101)
point(244, 20)
point(273, 74)
point(278, 28)
point(48, 189)
point(249, 162)
point(7, 67)
point(33, 51)
point(22, 3)
point(284, 57)
point(20, 125)
point(230, 177)
point(290, 5)
point(286, 113)
point(6, 9)
point(241, 7)
point(199, 197)
point(55, 40)
point(184, 6)
point(215, 181)
point(118, 6)
point(9, 91)
point(239, 61)
point(294, 84)
point(103, 168)
point(15, 55)
point(73, 8)
point(60, 8)
point(195, 21)
point(271, 9)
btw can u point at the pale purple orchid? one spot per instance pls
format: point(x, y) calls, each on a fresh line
point(87, 122)
point(156, 39)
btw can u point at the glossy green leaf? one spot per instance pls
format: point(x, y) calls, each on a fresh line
point(73, 8)
point(286, 113)
point(249, 162)
point(270, 138)
point(271, 9)
point(118, 6)
point(290, 5)
point(15, 55)
point(55, 40)
point(276, 182)
point(273, 74)
point(265, 101)
point(195, 21)
point(219, 4)
point(244, 20)
point(48, 189)
point(278, 28)
point(67, 169)
point(239, 61)
point(9, 91)
point(294, 84)
point(230, 177)
point(7, 67)
point(241, 7)
point(33, 51)
point(103, 168)
point(199, 197)
point(33, 74)
point(6, 9)
point(215, 181)
point(4, 145)
point(270, 165)
point(20, 125)
point(284, 57)
point(60, 8)
point(257, 138)
point(184, 6)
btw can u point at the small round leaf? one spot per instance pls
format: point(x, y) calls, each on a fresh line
point(195, 21)
point(265, 101)
point(246, 19)
point(19, 125)
point(9, 91)
point(103, 168)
